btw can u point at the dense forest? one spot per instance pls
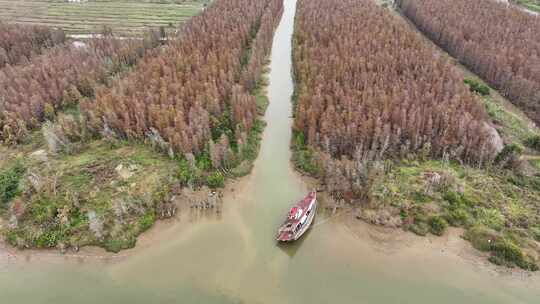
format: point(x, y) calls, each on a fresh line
point(58, 78)
point(19, 43)
point(386, 121)
point(369, 88)
point(498, 42)
point(199, 88)
point(99, 175)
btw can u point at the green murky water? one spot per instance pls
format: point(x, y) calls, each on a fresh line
point(232, 258)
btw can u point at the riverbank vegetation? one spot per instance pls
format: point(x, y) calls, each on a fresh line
point(103, 195)
point(500, 43)
point(88, 175)
point(400, 133)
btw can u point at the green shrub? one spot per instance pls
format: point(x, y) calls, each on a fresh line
point(481, 237)
point(243, 169)
point(419, 227)
point(203, 161)
point(511, 253)
point(455, 199)
point(49, 239)
point(420, 197)
point(452, 197)
point(458, 217)
point(185, 174)
point(9, 183)
point(533, 142)
point(458, 201)
point(507, 250)
point(509, 151)
point(215, 180)
point(223, 125)
point(146, 221)
point(43, 210)
point(475, 86)
point(298, 141)
point(305, 162)
point(303, 157)
point(11, 237)
point(528, 265)
point(115, 245)
point(437, 225)
point(523, 181)
point(536, 233)
point(491, 218)
point(251, 149)
point(498, 261)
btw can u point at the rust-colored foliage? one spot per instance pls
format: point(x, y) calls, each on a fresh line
point(59, 77)
point(18, 43)
point(501, 43)
point(370, 88)
point(198, 87)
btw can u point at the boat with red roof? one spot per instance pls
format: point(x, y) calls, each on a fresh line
point(299, 219)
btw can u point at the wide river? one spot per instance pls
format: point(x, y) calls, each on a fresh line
point(233, 258)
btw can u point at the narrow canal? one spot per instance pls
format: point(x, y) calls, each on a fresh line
point(233, 258)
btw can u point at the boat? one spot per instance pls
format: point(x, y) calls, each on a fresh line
point(299, 219)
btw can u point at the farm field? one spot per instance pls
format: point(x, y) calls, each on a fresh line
point(124, 17)
point(533, 5)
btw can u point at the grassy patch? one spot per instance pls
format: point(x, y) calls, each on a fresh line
point(533, 5)
point(215, 180)
point(9, 183)
point(512, 126)
point(437, 225)
point(535, 163)
point(303, 156)
point(477, 87)
point(533, 142)
point(103, 195)
point(118, 244)
point(490, 204)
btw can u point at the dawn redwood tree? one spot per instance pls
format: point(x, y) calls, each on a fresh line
point(497, 41)
point(369, 88)
point(19, 43)
point(198, 88)
point(60, 77)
